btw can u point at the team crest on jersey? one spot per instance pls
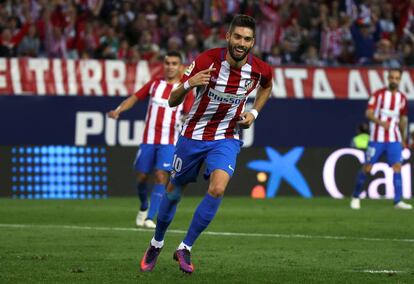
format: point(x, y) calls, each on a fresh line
point(189, 69)
point(248, 84)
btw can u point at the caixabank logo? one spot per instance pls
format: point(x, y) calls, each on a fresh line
point(309, 172)
point(280, 167)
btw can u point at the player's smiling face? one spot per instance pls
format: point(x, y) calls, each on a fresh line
point(172, 65)
point(240, 42)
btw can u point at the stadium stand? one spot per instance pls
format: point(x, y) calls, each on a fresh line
point(316, 33)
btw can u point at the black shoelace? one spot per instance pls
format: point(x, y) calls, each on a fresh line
point(152, 254)
point(187, 256)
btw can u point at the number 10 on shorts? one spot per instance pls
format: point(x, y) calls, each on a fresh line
point(177, 163)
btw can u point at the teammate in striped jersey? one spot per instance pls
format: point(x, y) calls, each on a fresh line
point(224, 78)
point(387, 112)
point(160, 133)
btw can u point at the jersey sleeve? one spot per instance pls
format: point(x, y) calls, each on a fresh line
point(145, 91)
point(266, 79)
point(201, 63)
point(372, 101)
point(404, 107)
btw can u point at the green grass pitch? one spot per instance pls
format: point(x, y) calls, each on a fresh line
point(283, 240)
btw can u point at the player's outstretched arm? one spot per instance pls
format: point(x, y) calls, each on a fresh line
point(202, 78)
point(248, 117)
point(124, 106)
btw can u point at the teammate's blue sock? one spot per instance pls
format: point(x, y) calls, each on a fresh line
point(156, 196)
point(165, 215)
point(359, 184)
point(397, 187)
point(142, 191)
point(203, 215)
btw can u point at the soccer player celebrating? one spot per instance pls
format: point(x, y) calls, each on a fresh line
point(160, 133)
point(387, 113)
point(224, 78)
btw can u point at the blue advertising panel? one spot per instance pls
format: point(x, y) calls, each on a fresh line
point(94, 172)
point(81, 121)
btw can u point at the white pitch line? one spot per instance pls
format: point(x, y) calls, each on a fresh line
point(232, 234)
point(384, 271)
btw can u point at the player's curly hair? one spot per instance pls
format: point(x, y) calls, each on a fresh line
point(241, 20)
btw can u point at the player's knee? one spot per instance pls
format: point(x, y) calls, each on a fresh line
point(216, 190)
point(173, 192)
point(396, 167)
point(142, 177)
point(160, 177)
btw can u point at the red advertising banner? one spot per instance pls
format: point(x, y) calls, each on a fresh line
point(40, 76)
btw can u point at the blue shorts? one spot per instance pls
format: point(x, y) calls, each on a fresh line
point(376, 149)
point(190, 154)
point(150, 156)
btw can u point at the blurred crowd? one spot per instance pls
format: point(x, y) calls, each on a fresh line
point(306, 32)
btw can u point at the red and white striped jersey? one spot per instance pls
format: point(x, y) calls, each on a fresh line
point(331, 43)
point(162, 121)
point(387, 107)
point(217, 106)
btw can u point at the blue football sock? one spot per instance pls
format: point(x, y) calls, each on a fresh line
point(165, 215)
point(203, 215)
point(397, 187)
point(143, 195)
point(359, 184)
point(156, 196)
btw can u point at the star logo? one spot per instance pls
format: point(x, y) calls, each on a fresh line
point(282, 167)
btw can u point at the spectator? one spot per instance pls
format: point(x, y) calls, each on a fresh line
point(75, 27)
point(386, 22)
point(292, 40)
point(407, 54)
point(311, 57)
point(110, 42)
point(126, 16)
point(147, 48)
point(385, 55)
point(153, 28)
point(275, 57)
point(123, 51)
point(214, 39)
point(192, 50)
point(9, 42)
point(364, 37)
point(30, 45)
point(331, 41)
point(305, 12)
point(55, 42)
point(268, 26)
point(134, 55)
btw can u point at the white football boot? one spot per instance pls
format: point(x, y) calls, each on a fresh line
point(355, 203)
point(141, 216)
point(403, 205)
point(149, 224)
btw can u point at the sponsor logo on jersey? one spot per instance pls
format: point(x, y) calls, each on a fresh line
point(189, 69)
point(225, 98)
